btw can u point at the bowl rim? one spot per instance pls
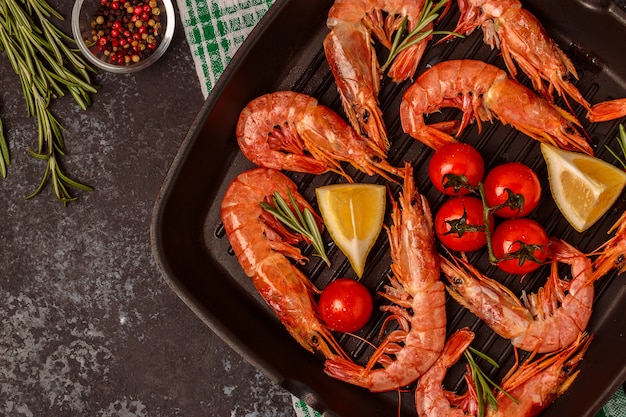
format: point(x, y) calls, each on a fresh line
point(124, 69)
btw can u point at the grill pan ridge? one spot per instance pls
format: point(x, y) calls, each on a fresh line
point(284, 52)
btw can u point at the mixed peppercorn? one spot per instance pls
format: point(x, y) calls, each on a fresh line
point(127, 31)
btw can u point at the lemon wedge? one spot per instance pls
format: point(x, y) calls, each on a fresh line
point(583, 187)
point(353, 215)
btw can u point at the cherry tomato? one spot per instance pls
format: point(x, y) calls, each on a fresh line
point(345, 305)
point(516, 185)
point(454, 165)
point(522, 240)
point(460, 224)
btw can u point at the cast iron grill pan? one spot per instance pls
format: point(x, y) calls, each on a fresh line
point(285, 53)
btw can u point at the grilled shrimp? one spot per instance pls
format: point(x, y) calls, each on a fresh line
point(263, 248)
point(612, 254)
point(418, 298)
point(543, 322)
point(431, 400)
point(352, 59)
point(484, 92)
point(531, 387)
point(537, 383)
point(291, 131)
point(523, 40)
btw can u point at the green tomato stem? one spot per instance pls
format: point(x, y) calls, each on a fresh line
point(486, 215)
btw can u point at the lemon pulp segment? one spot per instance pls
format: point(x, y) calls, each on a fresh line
point(353, 215)
point(583, 187)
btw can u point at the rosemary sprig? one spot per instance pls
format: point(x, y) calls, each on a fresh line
point(298, 221)
point(60, 181)
point(430, 13)
point(621, 141)
point(485, 387)
point(47, 68)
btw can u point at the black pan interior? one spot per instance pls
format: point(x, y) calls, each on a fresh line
point(285, 53)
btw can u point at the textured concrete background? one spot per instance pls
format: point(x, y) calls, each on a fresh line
point(88, 326)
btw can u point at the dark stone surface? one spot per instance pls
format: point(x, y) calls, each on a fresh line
point(88, 325)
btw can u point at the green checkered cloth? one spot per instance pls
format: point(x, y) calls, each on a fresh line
point(616, 406)
point(302, 409)
point(215, 30)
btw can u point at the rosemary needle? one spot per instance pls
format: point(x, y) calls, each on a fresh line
point(298, 221)
point(621, 141)
point(5, 158)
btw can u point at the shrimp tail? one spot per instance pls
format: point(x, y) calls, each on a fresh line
point(469, 20)
point(346, 370)
point(431, 400)
point(537, 383)
point(405, 65)
point(607, 110)
point(434, 136)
